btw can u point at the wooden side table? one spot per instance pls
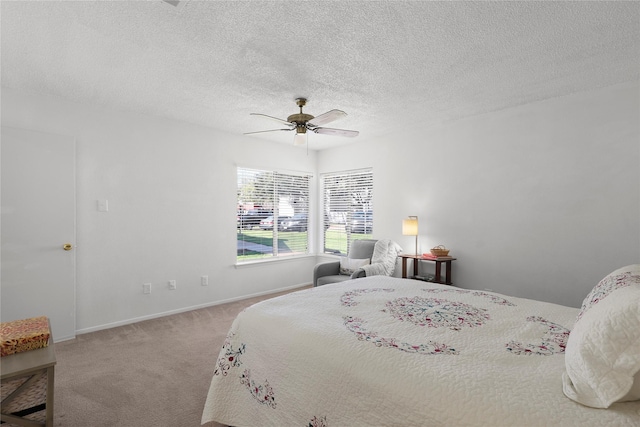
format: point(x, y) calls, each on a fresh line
point(34, 364)
point(438, 276)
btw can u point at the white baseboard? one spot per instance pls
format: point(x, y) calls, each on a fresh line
point(181, 310)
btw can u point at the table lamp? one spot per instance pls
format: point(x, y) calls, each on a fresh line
point(410, 228)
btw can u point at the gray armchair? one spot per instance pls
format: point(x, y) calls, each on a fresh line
point(329, 272)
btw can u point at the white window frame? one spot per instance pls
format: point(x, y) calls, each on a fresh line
point(357, 186)
point(286, 206)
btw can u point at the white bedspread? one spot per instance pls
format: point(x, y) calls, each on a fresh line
point(383, 351)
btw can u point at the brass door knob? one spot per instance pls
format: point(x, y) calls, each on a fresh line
point(67, 246)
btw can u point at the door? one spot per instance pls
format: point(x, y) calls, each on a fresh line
point(38, 228)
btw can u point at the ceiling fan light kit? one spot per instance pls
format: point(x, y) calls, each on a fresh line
point(301, 122)
point(300, 138)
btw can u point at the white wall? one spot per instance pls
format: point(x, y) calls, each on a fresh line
point(539, 201)
point(172, 200)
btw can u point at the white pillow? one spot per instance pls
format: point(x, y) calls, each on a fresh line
point(602, 357)
point(349, 265)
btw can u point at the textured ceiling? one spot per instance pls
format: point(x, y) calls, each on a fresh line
point(388, 64)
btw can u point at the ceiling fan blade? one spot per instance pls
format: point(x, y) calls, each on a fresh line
point(337, 132)
point(327, 117)
point(284, 122)
point(263, 131)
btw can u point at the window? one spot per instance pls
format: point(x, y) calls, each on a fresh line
point(272, 215)
point(348, 209)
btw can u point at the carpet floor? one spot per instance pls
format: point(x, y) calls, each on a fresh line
point(151, 373)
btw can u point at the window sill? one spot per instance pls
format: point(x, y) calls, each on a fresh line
point(259, 262)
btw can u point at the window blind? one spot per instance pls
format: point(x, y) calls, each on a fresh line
point(272, 214)
point(348, 208)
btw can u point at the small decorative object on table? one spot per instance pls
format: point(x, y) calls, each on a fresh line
point(24, 335)
point(439, 251)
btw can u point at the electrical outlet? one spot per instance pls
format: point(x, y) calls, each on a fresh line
point(146, 288)
point(172, 285)
point(204, 280)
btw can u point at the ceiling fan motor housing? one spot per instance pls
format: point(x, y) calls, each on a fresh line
point(300, 121)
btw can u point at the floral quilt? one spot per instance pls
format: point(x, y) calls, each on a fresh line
point(384, 351)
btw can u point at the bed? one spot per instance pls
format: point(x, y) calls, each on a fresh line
point(385, 351)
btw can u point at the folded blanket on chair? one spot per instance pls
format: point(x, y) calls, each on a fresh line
point(383, 261)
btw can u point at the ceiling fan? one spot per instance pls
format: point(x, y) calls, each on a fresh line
point(301, 123)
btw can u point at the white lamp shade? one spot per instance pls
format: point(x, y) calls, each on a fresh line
point(300, 139)
point(410, 226)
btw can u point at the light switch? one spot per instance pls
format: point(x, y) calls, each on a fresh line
point(103, 206)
